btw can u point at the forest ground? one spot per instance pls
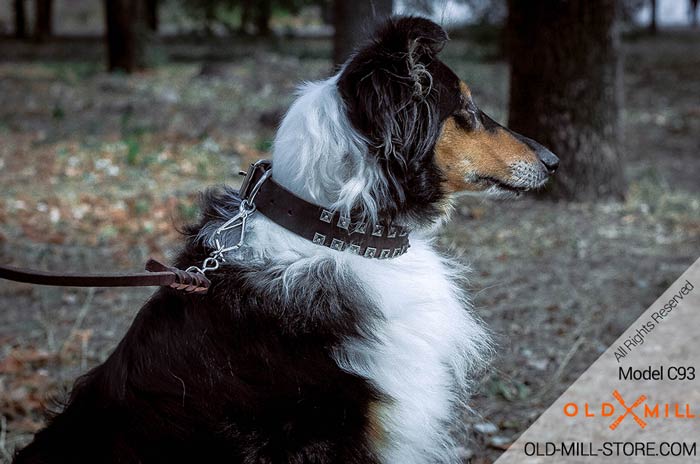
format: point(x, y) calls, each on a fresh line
point(97, 172)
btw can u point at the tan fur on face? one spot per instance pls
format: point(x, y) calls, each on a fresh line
point(465, 156)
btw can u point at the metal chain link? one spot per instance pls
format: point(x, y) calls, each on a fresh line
point(245, 210)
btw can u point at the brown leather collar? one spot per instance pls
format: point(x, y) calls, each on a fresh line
point(320, 225)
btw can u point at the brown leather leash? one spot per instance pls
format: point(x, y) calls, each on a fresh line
point(158, 275)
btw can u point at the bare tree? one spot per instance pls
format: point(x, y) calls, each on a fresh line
point(565, 89)
point(20, 19)
point(262, 17)
point(353, 23)
point(126, 34)
point(257, 13)
point(43, 26)
point(152, 15)
point(246, 15)
point(652, 22)
point(693, 12)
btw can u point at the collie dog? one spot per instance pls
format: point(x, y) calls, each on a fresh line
point(318, 347)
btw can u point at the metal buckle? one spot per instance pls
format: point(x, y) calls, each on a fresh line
point(247, 185)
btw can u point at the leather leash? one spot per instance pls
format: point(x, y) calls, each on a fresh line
point(158, 275)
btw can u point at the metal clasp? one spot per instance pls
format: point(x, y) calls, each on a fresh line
point(245, 210)
point(261, 165)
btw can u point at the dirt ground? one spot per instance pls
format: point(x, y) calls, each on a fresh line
point(97, 171)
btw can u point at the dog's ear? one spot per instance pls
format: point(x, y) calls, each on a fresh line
point(390, 88)
point(409, 37)
point(398, 52)
point(385, 81)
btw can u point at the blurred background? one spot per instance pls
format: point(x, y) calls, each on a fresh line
point(115, 114)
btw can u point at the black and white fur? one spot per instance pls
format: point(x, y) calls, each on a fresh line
point(300, 353)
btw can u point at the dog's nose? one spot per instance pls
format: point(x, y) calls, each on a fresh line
point(549, 159)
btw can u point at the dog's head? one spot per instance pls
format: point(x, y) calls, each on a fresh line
point(428, 137)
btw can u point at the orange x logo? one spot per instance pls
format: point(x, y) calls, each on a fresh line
point(628, 410)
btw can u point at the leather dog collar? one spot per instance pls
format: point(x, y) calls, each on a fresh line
point(320, 225)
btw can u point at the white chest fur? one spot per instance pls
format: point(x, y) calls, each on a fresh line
point(427, 344)
point(421, 352)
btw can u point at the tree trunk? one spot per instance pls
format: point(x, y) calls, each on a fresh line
point(565, 78)
point(354, 22)
point(246, 16)
point(152, 15)
point(44, 19)
point(209, 17)
point(20, 19)
point(693, 12)
point(126, 34)
point(327, 12)
point(652, 23)
point(262, 17)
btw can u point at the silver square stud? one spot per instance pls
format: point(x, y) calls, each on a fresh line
point(319, 239)
point(385, 254)
point(344, 222)
point(397, 252)
point(326, 216)
point(370, 252)
point(337, 244)
point(378, 230)
point(354, 249)
point(403, 232)
point(361, 228)
point(392, 232)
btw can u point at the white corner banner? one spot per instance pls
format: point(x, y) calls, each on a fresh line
point(639, 402)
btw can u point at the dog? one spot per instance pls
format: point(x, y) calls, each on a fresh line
point(317, 347)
